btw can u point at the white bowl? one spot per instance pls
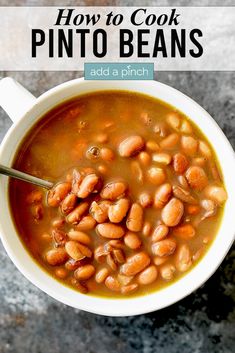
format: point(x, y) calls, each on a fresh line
point(26, 110)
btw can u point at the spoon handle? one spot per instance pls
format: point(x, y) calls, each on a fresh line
point(25, 177)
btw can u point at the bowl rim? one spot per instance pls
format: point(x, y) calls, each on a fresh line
point(126, 306)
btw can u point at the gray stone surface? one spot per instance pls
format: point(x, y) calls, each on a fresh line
point(204, 322)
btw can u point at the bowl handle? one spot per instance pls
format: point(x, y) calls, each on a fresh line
point(14, 98)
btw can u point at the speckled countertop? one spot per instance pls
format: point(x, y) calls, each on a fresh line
point(204, 322)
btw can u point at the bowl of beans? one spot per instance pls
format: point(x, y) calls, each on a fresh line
point(141, 211)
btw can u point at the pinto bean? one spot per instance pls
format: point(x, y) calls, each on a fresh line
point(99, 210)
point(79, 236)
point(111, 262)
point(216, 193)
point(134, 220)
point(75, 216)
point(109, 230)
point(148, 275)
point(77, 250)
point(145, 199)
point(172, 212)
point(161, 129)
point(162, 195)
point(72, 265)
point(118, 256)
point(80, 287)
point(88, 185)
point(189, 145)
point(183, 182)
point(210, 208)
point(131, 146)
point(100, 254)
point(135, 264)
point(84, 272)
point(160, 232)
point(102, 169)
point(196, 178)
point(68, 204)
point(86, 223)
point(180, 163)
point(156, 175)
point(144, 158)
point(107, 154)
point(145, 118)
point(162, 158)
point(157, 260)
point(184, 231)
point(61, 273)
point(101, 138)
point(76, 181)
point(113, 190)
point(204, 149)
point(84, 250)
point(137, 171)
point(199, 161)
point(56, 257)
point(112, 284)
point(130, 288)
point(59, 237)
point(124, 280)
point(147, 227)
point(173, 120)
point(57, 194)
point(170, 141)
point(152, 146)
point(58, 222)
point(132, 240)
point(167, 271)
point(165, 247)
point(186, 127)
point(101, 275)
point(108, 246)
point(118, 244)
point(196, 256)
point(214, 171)
point(184, 195)
point(73, 250)
point(183, 258)
point(118, 211)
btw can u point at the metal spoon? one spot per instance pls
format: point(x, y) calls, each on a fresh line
point(25, 177)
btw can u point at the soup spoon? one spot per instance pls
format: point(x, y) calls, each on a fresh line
point(25, 177)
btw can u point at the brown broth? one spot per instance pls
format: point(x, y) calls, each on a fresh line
point(58, 143)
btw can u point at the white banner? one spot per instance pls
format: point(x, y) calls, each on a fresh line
point(59, 38)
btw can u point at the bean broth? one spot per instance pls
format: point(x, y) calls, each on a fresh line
point(148, 227)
